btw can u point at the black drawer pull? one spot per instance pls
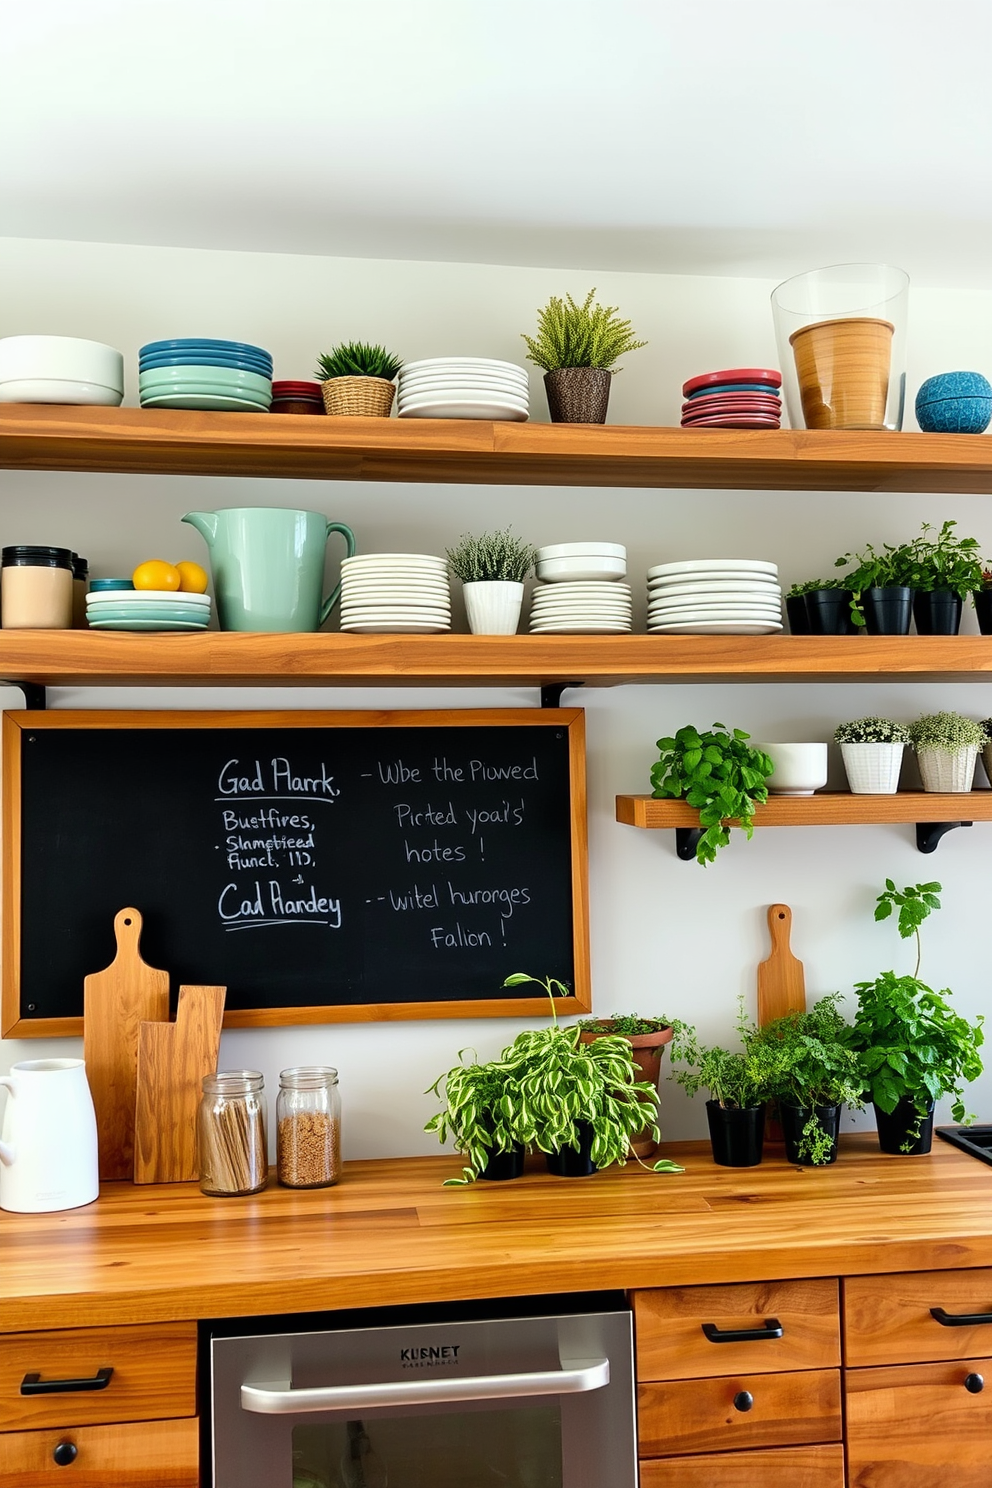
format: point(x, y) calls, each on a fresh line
point(771, 1328)
point(33, 1384)
point(974, 1384)
point(743, 1400)
point(959, 1319)
point(65, 1454)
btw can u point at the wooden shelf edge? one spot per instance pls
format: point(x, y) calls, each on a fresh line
point(829, 808)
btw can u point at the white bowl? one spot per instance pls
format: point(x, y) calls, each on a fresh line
point(555, 570)
point(64, 359)
point(582, 550)
point(59, 390)
point(800, 769)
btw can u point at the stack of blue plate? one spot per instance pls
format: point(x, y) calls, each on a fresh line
point(146, 609)
point(228, 376)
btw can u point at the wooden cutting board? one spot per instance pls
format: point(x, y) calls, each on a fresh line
point(781, 982)
point(115, 1001)
point(172, 1061)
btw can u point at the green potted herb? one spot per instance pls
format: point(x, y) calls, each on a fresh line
point(947, 745)
point(942, 571)
point(480, 1115)
point(577, 345)
point(796, 602)
point(815, 1074)
point(740, 1083)
point(719, 774)
point(881, 594)
point(825, 604)
point(492, 569)
point(983, 601)
point(647, 1038)
point(358, 379)
point(872, 750)
point(912, 1046)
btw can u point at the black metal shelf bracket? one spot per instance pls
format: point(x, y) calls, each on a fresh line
point(686, 842)
point(551, 693)
point(35, 695)
point(928, 834)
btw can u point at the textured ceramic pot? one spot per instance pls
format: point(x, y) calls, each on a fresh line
point(578, 395)
point(945, 771)
point(955, 403)
point(800, 769)
point(873, 769)
point(493, 606)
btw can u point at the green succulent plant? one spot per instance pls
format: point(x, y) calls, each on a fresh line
point(357, 359)
point(586, 335)
point(494, 555)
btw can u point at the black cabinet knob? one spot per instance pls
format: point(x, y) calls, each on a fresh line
point(974, 1384)
point(65, 1454)
point(743, 1400)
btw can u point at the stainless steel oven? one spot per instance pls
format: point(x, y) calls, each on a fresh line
point(531, 1393)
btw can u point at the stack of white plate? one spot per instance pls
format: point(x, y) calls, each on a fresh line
point(462, 387)
point(582, 607)
point(714, 596)
point(395, 593)
point(147, 609)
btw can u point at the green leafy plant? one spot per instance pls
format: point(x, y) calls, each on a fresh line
point(741, 1077)
point(814, 1066)
point(357, 359)
point(719, 774)
point(586, 335)
point(945, 733)
point(914, 903)
point(479, 1113)
point(889, 568)
point(494, 555)
point(629, 1024)
point(810, 586)
point(871, 730)
point(940, 560)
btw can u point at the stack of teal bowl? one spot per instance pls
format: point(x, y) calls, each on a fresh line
point(225, 376)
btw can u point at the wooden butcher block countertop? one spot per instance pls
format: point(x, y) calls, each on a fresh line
point(390, 1233)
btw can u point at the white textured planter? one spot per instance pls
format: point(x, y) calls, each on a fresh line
point(800, 769)
point(873, 769)
point(941, 771)
point(493, 606)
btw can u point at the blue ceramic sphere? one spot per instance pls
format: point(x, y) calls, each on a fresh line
point(955, 403)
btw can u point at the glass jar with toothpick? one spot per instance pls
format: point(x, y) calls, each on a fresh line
point(233, 1152)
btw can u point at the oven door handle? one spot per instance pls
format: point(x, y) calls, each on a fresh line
point(280, 1399)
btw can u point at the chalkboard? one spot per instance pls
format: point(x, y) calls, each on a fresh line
point(322, 866)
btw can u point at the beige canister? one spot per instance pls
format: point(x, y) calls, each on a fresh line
point(843, 370)
point(35, 588)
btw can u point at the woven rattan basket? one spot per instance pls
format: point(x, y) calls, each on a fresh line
point(371, 397)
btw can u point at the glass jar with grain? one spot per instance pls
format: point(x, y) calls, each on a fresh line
point(231, 1143)
point(308, 1113)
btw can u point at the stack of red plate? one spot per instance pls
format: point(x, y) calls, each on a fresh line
point(297, 397)
point(738, 398)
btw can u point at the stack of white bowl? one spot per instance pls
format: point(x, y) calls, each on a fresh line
point(60, 369)
point(395, 594)
point(462, 387)
point(579, 590)
point(714, 596)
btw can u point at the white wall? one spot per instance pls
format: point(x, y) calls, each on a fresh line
point(666, 936)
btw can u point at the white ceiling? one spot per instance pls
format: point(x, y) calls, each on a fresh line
point(671, 136)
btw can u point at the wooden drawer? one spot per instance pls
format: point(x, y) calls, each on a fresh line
point(154, 1375)
point(917, 1426)
point(887, 1318)
point(782, 1467)
point(144, 1454)
point(671, 1343)
point(699, 1415)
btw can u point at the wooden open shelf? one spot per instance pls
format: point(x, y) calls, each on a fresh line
point(160, 442)
point(825, 809)
point(215, 658)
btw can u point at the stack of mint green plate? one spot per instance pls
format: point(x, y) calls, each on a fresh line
point(227, 376)
point(147, 609)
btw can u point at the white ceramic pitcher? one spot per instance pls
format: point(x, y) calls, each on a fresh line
point(48, 1146)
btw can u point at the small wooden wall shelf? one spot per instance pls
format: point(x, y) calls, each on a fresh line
point(160, 442)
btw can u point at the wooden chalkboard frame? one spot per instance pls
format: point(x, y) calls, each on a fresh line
point(17, 723)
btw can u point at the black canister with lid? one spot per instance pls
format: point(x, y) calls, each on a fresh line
point(36, 587)
point(80, 584)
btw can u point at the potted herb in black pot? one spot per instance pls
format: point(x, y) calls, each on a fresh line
point(983, 603)
point(717, 772)
point(828, 608)
point(816, 1074)
point(882, 599)
point(795, 606)
point(481, 1111)
point(740, 1083)
point(913, 1048)
point(942, 570)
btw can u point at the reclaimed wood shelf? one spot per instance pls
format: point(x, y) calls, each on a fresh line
point(52, 658)
point(163, 442)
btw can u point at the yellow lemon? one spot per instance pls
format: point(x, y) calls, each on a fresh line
point(156, 574)
point(192, 578)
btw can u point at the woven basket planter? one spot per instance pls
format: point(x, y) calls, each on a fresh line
point(365, 397)
point(578, 395)
point(941, 771)
point(872, 768)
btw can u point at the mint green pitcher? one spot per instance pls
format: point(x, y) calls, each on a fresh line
point(268, 566)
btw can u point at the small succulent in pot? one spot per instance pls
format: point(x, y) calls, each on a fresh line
point(872, 750)
point(946, 745)
point(492, 569)
point(577, 345)
point(357, 378)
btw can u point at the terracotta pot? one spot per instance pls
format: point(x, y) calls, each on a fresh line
point(843, 371)
point(578, 395)
point(647, 1050)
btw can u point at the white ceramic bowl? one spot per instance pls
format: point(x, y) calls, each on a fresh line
point(800, 769)
point(58, 390)
point(582, 550)
point(555, 570)
point(62, 359)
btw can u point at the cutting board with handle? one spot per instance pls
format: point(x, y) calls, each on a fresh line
point(115, 1003)
point(172, 1061)
point(781, 982)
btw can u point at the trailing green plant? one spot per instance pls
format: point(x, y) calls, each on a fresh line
point(871, 730)
point(494, 555)
point(479, 1114)
point(586, 335)
point(940, 560)
point(814, 1067)
point(719, 774)
point(736, 1078)
point(945, 733)
point(629, 1024)
point(357, 359)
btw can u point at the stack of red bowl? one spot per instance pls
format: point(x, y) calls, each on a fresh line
point(739, 398)
point(297, 397)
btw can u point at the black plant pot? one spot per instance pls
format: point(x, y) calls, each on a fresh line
point(503, 1165)
point(888, 611)
point(937, 612)
point(895, 1128)
point(574, 1162)
point(737, 1134)
point(794, 1118)
point(829, 612)
point(795, 607)
point(983, 609)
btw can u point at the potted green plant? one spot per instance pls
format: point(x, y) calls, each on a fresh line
point(986, 728)
point(719, 774)
point(647, 1038)
point(492, 569)
point(872, 750)
point(942, 571)
point(816, 1073)
point(577, 345)
point(983, 600)
point(947, 745)
point(480, 1115)
point(358, 379)
point(912, 1046)
point(740, 1083)
point(881, 594)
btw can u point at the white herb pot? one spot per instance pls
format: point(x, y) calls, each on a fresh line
point(800, 769)
point(493, 606)
point(943, 771)
point(873, 768)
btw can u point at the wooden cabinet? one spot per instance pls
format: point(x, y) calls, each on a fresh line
point(142, 1454)
point(889, 1319)
point(784, 1467)
point(739, 1410)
